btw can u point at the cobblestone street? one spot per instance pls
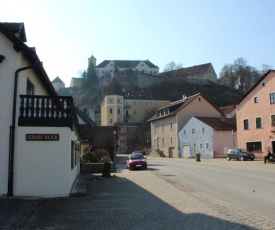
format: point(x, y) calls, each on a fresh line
point(138, 200)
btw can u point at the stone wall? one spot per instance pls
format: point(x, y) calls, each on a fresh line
point(94, 168)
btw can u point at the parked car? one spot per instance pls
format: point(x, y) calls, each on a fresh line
point(239, 154)
point(136, 161)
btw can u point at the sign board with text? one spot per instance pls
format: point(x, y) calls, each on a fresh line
point(42, 137)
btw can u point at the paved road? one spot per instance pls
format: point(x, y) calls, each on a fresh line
point(139, 200)
point(249, 185)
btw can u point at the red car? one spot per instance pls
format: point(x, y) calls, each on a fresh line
point(136, 161)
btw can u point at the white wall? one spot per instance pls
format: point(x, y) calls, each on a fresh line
point(43, 168)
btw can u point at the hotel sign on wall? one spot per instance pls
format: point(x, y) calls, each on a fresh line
point(42, 137)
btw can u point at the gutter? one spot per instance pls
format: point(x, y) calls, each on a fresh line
point(12, 131)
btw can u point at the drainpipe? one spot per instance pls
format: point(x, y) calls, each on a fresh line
point(12, 131)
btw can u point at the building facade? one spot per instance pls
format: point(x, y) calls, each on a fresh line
point(119, 106)
point(256, 117)
point(143, 66)
point(39, 145)
point(170, 119)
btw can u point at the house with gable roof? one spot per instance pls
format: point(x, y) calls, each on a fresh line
point(170, 119)
point(256, 117)
point(39, 145)
point(58, 84)
point(200, 72)
point(209, 136)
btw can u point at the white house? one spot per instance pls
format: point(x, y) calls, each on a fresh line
point(39, 145)
point(209, 136)
point(143, 66)
point(58, 84)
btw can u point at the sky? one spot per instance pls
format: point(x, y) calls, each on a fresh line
point(66, 33)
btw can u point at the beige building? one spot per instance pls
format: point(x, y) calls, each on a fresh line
point(121, 106)
point(170, 119)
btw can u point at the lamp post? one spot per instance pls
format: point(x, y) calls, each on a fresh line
point(114, 132)
point(233, 134)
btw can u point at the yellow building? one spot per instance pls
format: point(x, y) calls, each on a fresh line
point(121, 106)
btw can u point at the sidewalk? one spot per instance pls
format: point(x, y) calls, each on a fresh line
point(134, 200)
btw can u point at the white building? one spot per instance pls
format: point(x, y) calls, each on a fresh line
point(39, 145)
point(143, 66)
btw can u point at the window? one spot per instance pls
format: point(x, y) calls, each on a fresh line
point(254, 146)
point(30, 88)
point(162, 140)
point(246, 124)
point(140, 111)
point(171, 125)
point(140, 103)
point(155, 129)
point(201, 146)
point(171, 140)
point(273, 120)
point(145, 103)
point(184, 132)
point(162, 127)
point(193, 131)
point(206, 145)
point(111, 120)
point(118, 111)
point(199, 99)
point(135, 103)
point(135, 112)
point(263, 84)
point(72, 155)
point(259, 122)
point(256, 99)
point(202, 130)
point(157, 104)
point(111, 111)
point(272, 98)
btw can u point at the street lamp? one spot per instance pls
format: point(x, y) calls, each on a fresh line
point(114, 132)
point(233, 134)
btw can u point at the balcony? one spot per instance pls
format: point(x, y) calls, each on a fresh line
point(47, 111)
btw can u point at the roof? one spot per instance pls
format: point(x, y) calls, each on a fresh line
point(9, 29)
point(219, 124)
point(126, 63)
point(18, 29)
point(114, 88)
point(84, 117)
point(175, 107)
point(257, 83)
point(102, 136)
point(190, 71)
point(227, 109)
point(85, 131)
point(57, 80)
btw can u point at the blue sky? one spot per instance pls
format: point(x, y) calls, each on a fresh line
point(191, 32)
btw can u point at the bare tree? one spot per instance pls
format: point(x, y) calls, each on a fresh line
point(172, 66)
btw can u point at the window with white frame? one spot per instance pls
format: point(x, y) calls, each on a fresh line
point(207, 146)
point(259, 122)
point(171, 125)
point(272, 98)
point(202, 130)
point(201, 146)
point(162, 140)
point(193, 131)
point(246, 124)
point(111, 111)
point(256, 99)
point(30, 88)
point(273, 119)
